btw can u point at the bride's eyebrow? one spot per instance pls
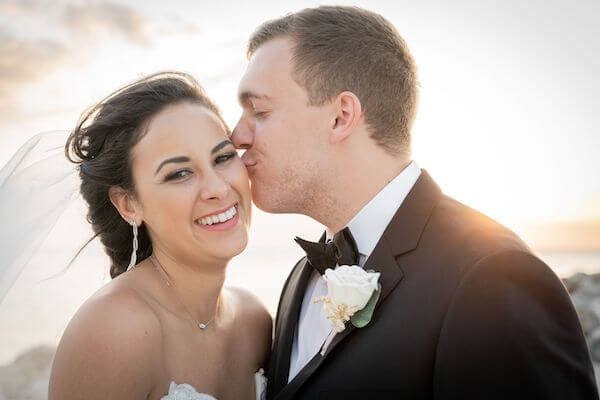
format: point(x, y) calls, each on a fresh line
point(179, 159)
point(182, 159)
point(220, 146)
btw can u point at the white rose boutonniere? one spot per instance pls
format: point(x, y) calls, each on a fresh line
point(352, 294)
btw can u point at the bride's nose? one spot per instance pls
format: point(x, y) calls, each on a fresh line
point(215, 186)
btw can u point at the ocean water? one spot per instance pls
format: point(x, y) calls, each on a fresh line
point(567, 263)
point(46, 295)
point(42, 301)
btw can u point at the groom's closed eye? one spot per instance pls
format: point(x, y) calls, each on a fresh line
point(260, 114)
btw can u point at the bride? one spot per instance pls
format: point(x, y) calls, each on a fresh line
point(169, 199)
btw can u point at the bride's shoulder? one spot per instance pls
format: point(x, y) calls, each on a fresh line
point(252, 314)
point(120, 306)
point(115, 333)
point(249, 305)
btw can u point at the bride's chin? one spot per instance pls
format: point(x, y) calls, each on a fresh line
point(231, 247)
point(241, 246)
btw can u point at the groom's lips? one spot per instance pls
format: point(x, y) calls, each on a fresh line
point(249, 164)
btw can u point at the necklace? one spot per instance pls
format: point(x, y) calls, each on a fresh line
point(163, 274)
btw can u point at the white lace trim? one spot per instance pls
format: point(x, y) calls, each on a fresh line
point(260, 381)
point(185, 391)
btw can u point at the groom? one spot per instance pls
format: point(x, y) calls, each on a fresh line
point(466, 311)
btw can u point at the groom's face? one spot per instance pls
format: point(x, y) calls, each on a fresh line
point(284, 137)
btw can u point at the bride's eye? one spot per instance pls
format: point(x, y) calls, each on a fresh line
point(225, 157)
point(177, 175)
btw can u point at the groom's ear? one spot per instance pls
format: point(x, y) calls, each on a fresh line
point(347, 114)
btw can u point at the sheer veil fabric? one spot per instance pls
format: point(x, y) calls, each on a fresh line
point(36, 186)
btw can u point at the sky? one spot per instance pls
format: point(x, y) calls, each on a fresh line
point(508, 119)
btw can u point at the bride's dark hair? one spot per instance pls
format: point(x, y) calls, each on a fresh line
point(101, 144)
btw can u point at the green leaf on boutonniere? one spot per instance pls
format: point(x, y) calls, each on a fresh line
point(361, 318)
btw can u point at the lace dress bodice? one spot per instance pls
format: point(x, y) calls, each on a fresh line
point(184, 391)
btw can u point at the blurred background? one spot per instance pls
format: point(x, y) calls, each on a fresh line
point(508, 123)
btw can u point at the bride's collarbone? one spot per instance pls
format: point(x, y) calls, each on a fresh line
point(218, 360)
point(212, 358)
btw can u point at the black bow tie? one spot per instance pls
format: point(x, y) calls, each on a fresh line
point(341, 250)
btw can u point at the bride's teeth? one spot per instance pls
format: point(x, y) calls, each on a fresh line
point(219, 218)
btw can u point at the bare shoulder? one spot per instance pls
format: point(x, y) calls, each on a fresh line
point(250, 305)
point(255, 318)
point(109, 348)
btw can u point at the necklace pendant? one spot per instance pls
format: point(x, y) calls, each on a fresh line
point(201, 325)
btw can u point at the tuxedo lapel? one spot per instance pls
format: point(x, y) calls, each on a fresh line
point(288, 313)
point(381, 260)
point(401, 235)
point(404, 231)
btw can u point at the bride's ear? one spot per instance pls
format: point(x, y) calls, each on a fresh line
point(125, 205)
point(347, 114)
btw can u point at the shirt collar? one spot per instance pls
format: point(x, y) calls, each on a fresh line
point(368, 224)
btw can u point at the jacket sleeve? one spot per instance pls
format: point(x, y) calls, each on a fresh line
point(511, 332)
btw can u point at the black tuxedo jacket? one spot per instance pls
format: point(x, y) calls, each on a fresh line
point(466, 312)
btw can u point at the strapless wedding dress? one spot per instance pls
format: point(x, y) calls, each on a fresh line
point(183, 391)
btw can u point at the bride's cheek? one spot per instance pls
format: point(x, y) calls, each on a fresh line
point(238, 176)
point(241, 184)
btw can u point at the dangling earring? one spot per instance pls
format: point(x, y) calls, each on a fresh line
point(135, 245)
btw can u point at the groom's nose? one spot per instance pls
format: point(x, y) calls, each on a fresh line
point(242, 136)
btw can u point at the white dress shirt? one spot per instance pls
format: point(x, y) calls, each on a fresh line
point(367, 227)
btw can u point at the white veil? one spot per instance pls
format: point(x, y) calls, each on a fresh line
point(36, 186)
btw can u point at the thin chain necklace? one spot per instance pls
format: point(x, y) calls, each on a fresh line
point(163, 274)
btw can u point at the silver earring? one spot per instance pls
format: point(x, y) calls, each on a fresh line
point(135, 245)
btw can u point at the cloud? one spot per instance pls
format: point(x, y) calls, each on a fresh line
point(93, 19)
point(25, 60)
point(103, 19)
point(38, 38)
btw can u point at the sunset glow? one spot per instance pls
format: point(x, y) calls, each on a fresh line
point(508, 119)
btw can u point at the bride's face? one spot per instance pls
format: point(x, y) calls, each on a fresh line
point(192, 189)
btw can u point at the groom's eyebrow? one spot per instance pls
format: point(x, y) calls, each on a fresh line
point(244, 97)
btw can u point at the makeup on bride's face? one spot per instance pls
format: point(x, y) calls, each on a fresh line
point(191, 185)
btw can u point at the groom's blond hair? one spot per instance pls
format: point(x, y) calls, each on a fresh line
point(340, 48)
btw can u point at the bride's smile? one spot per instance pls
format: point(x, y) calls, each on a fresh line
point(220, 220)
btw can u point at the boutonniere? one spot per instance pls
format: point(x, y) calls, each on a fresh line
point(352, 294)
